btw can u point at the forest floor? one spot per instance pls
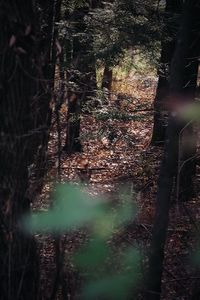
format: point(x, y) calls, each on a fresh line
point(116, 154)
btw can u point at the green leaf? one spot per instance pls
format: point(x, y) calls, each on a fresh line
point(131, 260)
point(72, 209)
point(93, 254)
point(115, 287)
point(195, 257)
point(191, 112)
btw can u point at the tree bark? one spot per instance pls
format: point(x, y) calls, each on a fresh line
point(19, 268)
point(82, 78)
point(172, 11)
point(107, 79)
point(186, 49)
point(23, 123)
point(165, 184)
point(183, 84)
point(49, 16)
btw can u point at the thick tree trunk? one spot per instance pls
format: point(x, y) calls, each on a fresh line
point(23, 123)
point(172, 10)
point(19, 270)
point(187, 50)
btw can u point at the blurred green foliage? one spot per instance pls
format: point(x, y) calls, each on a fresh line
point(191, 112)
point(106, 273)
point(72, 209)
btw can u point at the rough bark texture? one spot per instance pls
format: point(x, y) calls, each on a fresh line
point(23, 123)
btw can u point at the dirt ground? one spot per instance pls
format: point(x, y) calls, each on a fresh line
point(116, 154)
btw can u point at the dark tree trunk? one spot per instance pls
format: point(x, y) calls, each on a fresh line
point(166, 179)
point(20, 90)
point(186, 54)
point(97, 4)
point(172, 11)
point(72, 142)
point(49, 12)
point(183, 83)
point(82, 78)
point(107, 79)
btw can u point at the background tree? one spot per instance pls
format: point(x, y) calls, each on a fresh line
point(91, 44)
point(81, 72)
point(171, 20)
point(49, 14)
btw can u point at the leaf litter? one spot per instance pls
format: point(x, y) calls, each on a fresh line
point(105, 167)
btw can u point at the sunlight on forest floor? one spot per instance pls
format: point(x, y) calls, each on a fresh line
point(105, 166)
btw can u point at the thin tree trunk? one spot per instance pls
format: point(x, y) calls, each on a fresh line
point(107, 78)
point(165, 184)
point(179, 75)
point(183, 84)
point(172, 10)
point(83, 76)
point(50, 16)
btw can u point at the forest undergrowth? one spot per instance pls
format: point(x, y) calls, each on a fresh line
point(117, 154)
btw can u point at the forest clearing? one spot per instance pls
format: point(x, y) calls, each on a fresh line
point(99, 150)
